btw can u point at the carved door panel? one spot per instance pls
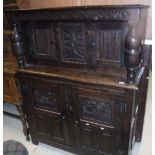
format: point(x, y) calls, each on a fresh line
point(46, 110)
point(96, 106)
point(74, 41)
point(94, 125)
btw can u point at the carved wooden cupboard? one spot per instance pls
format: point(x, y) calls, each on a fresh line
point(81, 76)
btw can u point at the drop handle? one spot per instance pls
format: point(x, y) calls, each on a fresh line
point(102, 128)
point(76, 122)
point(63, 115)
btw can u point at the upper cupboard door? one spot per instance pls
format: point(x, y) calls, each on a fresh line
point(108, 39)
point(74, 42)
point(43, 41)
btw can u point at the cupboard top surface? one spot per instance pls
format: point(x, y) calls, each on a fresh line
point(82, 76)
point(134, 6)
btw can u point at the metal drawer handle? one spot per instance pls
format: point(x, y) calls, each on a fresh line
point(76, 122)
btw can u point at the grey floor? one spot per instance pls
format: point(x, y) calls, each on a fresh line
point(12, 129)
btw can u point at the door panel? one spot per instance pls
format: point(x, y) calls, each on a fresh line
point(52, 126)
point(47, 107)
point(95, 139)
point(95, 113)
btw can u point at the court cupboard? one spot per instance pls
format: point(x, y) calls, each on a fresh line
point(83, 76)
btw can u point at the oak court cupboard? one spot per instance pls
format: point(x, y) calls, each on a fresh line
point(83, 76)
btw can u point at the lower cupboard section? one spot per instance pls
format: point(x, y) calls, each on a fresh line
point(81, 120)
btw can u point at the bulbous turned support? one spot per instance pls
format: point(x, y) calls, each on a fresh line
point(18, 46)
point(132, 54)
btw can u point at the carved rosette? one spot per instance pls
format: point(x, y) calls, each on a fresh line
point(18, 45)
point(132, 54)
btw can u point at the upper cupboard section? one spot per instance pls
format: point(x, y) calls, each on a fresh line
point(75, 42)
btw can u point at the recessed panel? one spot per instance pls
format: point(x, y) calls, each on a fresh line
point(42, 40)
point(73, 40)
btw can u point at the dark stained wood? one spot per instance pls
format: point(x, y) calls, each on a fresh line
point(81, 36)
point(147, 62)
point(80, 74)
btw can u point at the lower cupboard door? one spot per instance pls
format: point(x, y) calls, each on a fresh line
point(53, 127)
point(94, 140)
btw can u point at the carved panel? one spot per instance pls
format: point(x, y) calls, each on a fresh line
point(73, 48)
point(109, 45)
point(97, 109)
point(80, 14)
point(42, 39)
point(44, 98)
point(96, 139)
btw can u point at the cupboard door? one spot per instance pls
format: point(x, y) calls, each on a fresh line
point(45, 106)
point(74, 42)
point(52, 126)
point(95, 113)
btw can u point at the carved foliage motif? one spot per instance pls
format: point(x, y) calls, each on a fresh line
point(96, 109)
point(79, 14)
point(73, 41)
point(45, 98)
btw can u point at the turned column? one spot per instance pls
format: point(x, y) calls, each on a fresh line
point(132, 54)
point(18, 45)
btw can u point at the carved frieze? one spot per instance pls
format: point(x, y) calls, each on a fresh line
point(80, 14)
